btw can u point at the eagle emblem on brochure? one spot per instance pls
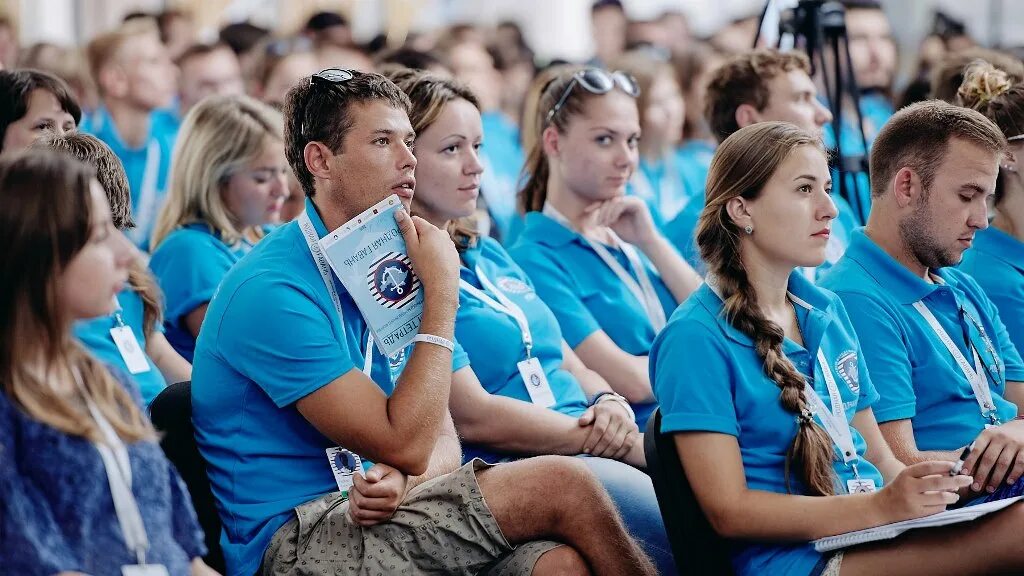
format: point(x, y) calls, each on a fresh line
point(392, 281)
point(847, 368)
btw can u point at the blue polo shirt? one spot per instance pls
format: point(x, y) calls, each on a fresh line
point(502, 157)
point(95, 335)
point(682, 230)
point(583, 292)
point(660, 183)
point(996, 262)
point(708, 377)
point(493, 341)
point(917, 376)
point(272, 336)
point(693, 158)
point(162, 134)
point(189, 264)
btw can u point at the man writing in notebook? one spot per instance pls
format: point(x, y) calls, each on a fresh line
point(284, 399)
point(945, 369)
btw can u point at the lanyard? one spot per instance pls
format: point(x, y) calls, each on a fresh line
point(975, 375)
point(833, 420)
point(114, 455)
point(643, 291)
point(147, 193)
point(313, 243)
point(504, 305)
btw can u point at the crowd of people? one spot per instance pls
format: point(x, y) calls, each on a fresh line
point(661, 228)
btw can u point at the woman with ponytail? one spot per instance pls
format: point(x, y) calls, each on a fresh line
point(760, 377)
point(595, 256)
point(84, 486)
point(997, 259)
point(140, 305)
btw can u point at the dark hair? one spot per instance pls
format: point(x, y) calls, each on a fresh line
point(45, 221)
point(316, 112)
point(199, 49)
point(16, 87)
point(742, 165)
point(599, 5)
point(918, 136)
point(324, 20)
point(990, 91)
point(949, 74)
point(744, 79)
point(242, 36)
point(406, 57)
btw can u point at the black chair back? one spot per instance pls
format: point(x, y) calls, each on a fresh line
point(699, 551)
point(171, 413)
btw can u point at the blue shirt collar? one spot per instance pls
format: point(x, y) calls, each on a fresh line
point(1001, 245)
point(547, 231)
point(896, 279)
point(808, 295)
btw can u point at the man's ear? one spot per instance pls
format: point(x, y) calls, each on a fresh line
point(906, 186)
point(550, 141)
point(746, 115)
point(738, 210)
point(317, 157)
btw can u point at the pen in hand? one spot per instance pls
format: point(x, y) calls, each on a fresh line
point(960, 462)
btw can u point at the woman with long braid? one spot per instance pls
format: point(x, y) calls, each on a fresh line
point(761, 377)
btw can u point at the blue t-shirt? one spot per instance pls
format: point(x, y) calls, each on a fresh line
point(189, 264)
point(502, 157)
point(56, 510)
point(996, 262)
point(584, 293)
point(493, 340)
point(916, 375)
point(662, 186)
point(693, 160)
point(708, 377)
point(95, 335)
point(271, 337)
point(162, 134)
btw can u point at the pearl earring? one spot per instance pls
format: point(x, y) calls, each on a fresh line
point(749, 229)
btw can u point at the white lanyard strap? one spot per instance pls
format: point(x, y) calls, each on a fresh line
point(833, 420)
point(312, 242)
point(147, 193)
point(114, 455)
point(643, 291)
point(975, 375)
point(504, 305)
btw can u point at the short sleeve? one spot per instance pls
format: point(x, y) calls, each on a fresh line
point(867, 397)
point(561, 293)
point(699, 398)
point(31, 541)
point(288, 349)
point(884, 352)
point(460, 359)
point(189, 266)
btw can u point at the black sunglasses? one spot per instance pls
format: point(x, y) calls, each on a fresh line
point(329, 77)
point(596, 81)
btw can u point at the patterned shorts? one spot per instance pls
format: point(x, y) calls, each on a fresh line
point(442, 527)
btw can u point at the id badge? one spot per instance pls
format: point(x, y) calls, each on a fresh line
point(536, 382)
point(860, 486)
point(131, 352)
point(144, 570)
point(344, 463)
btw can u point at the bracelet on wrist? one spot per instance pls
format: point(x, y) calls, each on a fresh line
point(435, 340)
point(608, 395)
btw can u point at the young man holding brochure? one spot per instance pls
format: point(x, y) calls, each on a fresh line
point(282, 379)
point(947, 373)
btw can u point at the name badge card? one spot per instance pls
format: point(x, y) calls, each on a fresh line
point(344, 463)
point(860, 486)
point(536, 382)
point(144, 570)
point(131, 352)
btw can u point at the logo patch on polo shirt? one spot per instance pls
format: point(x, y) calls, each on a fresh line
point(392, 281)
point(511, 285)
point(847, 368)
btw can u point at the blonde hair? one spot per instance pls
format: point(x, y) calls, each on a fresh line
point(106, 47)
point(218, 136)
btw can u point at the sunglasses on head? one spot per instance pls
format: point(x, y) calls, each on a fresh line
point(596, 81)
point(328, 77)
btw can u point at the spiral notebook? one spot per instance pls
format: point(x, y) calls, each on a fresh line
point(889, 531)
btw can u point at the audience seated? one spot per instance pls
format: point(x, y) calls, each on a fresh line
point(947, 373)
point(595, 256)
point(135, 76)
point(131, 339)
point(227, 185)
point(206, 70)
point(775, 382)
point(996, 260)
point(32, 104)
point(500, 414)
point(84, 487)
point(348, 141)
